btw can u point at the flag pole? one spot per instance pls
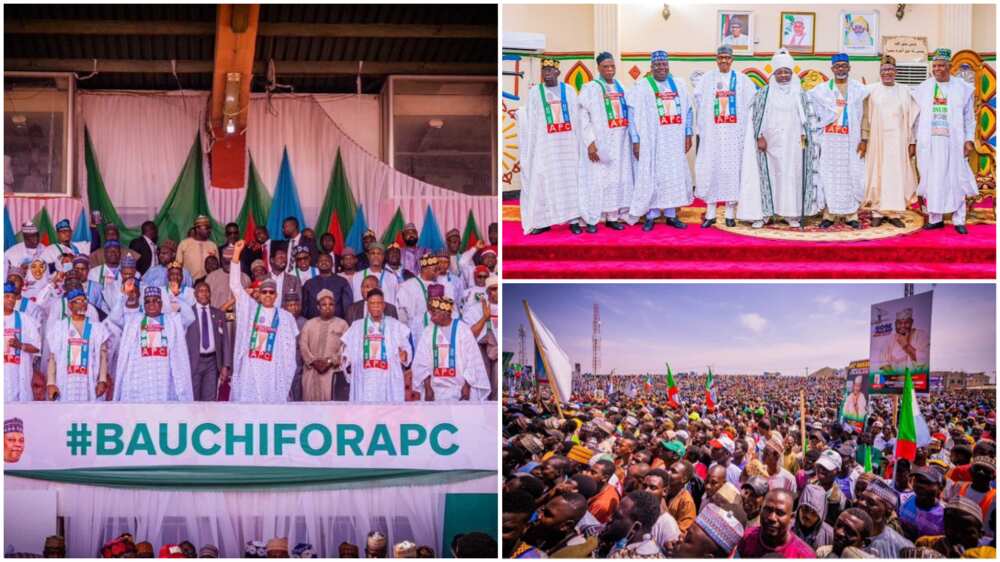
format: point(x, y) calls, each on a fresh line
point(802, 419)
point(545, 361)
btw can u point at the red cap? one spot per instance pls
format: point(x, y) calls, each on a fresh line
point(716, 444)
point(171, 551)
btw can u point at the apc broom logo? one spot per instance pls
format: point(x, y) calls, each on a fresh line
point(257, 440)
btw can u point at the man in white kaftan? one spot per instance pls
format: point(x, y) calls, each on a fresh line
point(264, 357)
point(550, 154)
point(661, 113)
point(606, 161)
point(482, 320)
point(777, 178)
point(722, 100)
point(888, 144)
point(21, 343)
point(448, 366)
point(375, 350)
point(944, 132)
point(78, 355)
point(63, 245)
point(841, 178)
point(411, 301)
point(27, 250)
point(153, 363)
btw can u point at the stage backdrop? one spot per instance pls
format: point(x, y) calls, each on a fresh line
point(142, 139)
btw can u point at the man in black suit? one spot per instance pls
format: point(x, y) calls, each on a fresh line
point(341, 289)
point(209, 346)
point(358, 309)
point(145, 246)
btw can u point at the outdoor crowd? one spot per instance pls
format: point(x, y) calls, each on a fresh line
point(631, 477)
point(250, 320)
point(468, 545)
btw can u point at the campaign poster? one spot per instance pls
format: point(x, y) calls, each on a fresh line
point(900, 341)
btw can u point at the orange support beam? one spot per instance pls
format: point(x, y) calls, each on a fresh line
point(235, 41)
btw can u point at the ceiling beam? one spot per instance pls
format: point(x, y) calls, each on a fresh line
point(265, 29)
point(235, 43)
point(283, 68)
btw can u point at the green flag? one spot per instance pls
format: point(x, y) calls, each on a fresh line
point(187, 200)
point(394, 232)
point(339, 207)
point(256, 204)
point(97, 194)
point(471, 235)
point(46, 232)
point(868, 458)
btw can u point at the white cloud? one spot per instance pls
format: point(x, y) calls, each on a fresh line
point(753, 322)
point(833, 304)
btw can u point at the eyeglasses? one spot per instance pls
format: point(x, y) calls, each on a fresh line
point(267, 291)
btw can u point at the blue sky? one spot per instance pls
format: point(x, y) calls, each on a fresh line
point(745, 328)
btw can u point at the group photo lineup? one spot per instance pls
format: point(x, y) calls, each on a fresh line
point(749, 141)
point(251, 281)
point(749, 421)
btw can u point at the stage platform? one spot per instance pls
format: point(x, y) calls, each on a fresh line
point(721, 253)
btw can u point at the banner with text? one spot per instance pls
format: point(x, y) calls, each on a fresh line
point(52, 436)
point(900, 340)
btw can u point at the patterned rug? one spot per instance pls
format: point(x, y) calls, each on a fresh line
point(839, 232)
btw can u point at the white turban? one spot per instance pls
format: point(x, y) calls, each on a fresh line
point(782, 59)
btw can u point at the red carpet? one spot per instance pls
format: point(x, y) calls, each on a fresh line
point(709, 253)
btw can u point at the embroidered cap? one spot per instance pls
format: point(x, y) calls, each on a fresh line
point(29, 228)
point(942, 54)
point(151, 292)
point(724, 50)
point(63, 225)
point(721, 526)
point(550, 63)
point(659, 56)
point(840, 57)
point(443, 304)
point(13, 425)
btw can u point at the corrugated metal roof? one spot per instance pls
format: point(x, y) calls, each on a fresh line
point(300, 49)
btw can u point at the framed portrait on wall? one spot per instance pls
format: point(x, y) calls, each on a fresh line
point(859, 32)
point(798, 32)
point(735, 28)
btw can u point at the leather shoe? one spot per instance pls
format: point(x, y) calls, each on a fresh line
point(540, 230)
point(675, 222)
point(591, 229)
point(648, 225)
point(614, 225)
point(731, 223)
point(708, 223)
point(876, 222)
point(575, 228)
point(934, 225)
point(960, 228)
point(826, 224)
point(898, 223)
point(854, 224)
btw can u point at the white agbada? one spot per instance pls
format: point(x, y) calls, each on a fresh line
point(32, 309)
point(108, 279)
point(260, 376)
point(66, 344)
point(841, 178)
point(387, 282)
point(722, 111)
point(17, 370)
point(160, 370)
point(782, 127)
point(941, 132)
point(662, 174)
point(54, 251)
point(20, 253)
point(448, 377)
point(378, 375)
point(473, 312)
point(605, 186)
point(411, 305)
point(550, 157)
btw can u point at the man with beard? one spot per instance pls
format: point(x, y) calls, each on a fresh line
point(850, 536)
point(518, 507)
point(908, 346)
point(774, 537)
point(556, 522)
point(680, 504)
point(303, 269)
point(841, 178)
point(13, 440)
point(946, 127)
point(777, 171)
point(410, 252)
point(629, 533)
point(412, 297)
point(880, 502)
point(661, 113)
point(348, 264)
point(394, 263)
point(21, 344)
point(722, 99)
point(387, 282)
point(447, 363)
point(888, 143)
point(63, 245)
point(715, 534)
point(550, 155)
point(606, 174)
point(326, 280)
point(78, 356)
point(27, 250)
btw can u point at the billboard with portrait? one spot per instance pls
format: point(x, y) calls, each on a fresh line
point(900, 341)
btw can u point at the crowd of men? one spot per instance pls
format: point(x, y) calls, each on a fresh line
point(466, 545)
point(628, 475)
point(256, 320)
point(774, 154)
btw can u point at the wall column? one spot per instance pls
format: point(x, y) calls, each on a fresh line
point(606, 30)
point(956, 27)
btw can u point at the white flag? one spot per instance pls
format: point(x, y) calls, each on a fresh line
point(560, 368)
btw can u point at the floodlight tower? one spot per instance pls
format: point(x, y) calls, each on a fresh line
point(597, 339)
point(908, 289)
point(520, 349)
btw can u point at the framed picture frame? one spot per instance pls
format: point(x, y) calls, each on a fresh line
point(859, 32)
point(735, 28)
point(797, 32)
